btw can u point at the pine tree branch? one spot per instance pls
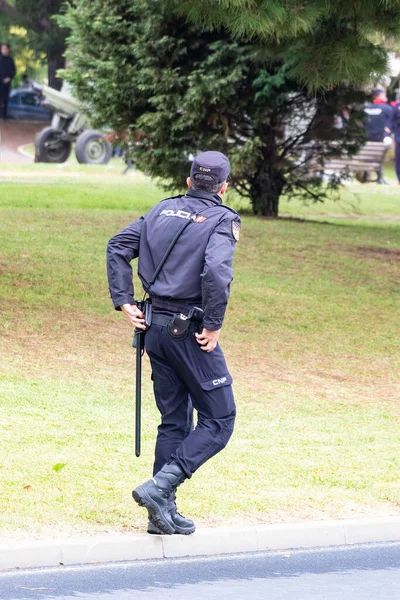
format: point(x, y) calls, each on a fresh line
point(298, 138)
point(316, 197)
point(242, 188)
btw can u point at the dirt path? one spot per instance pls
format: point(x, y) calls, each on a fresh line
point(12, 135)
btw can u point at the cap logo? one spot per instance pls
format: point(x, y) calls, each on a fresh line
point(205, 170)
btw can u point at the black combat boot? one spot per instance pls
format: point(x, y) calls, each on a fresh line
point(366, 177)
point(155, 495)
point(380, 179)
point(182, 525)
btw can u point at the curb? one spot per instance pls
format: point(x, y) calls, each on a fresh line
point(221, 540)
point(23, 152)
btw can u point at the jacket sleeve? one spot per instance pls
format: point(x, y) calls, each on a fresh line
point(218, 273)
point(13, 69)
point(396, 122)
point(121, 249)
point(389, 120)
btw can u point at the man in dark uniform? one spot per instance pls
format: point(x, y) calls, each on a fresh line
point(198, 235)
point(7, 74)
point(379, 123)
point(396, 135)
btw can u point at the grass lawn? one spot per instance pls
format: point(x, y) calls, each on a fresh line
point(311, 337)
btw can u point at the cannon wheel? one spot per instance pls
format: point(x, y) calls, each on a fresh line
point(50, 148)
point(92, 148)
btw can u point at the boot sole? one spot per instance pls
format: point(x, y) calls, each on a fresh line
point(176, 532)
point(183, 532)
point(153, 510)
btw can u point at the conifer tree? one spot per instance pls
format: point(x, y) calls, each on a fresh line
point(325, 42)
point(173, 89)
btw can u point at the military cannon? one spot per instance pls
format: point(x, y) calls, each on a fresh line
point(69, 125)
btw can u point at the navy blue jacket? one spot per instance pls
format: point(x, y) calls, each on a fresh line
point(7, 68)
point(379, 118)
point(396, 121)
point(199, 268)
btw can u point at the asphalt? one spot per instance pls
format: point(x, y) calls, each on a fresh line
point(14, 134)
point(365, 572)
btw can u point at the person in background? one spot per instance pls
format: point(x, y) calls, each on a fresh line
point(7, 74)
point(379, 123)
point(396, 134)
point(26, 83)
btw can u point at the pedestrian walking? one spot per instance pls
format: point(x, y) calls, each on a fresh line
point(185, 247)
point(7, 74)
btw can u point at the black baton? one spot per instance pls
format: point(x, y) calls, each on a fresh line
point(138, 343)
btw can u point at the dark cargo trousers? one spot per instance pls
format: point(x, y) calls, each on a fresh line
point(184, 376)
point(397, 159)
point(4, 98)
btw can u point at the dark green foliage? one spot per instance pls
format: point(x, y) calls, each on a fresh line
point(327, 41)
point(172, 90)
point(45, 36)
point(4, 27)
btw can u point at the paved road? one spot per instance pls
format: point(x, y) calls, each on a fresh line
point(14, 134)
point(370, 572)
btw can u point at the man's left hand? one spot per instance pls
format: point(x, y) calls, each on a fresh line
point(7, 80)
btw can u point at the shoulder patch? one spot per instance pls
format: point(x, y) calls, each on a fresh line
point(236, 230)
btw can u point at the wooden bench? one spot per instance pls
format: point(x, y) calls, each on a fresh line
point(369, 159)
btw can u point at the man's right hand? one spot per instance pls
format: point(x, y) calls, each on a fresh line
point(134, 315)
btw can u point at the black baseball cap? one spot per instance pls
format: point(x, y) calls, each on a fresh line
point(214, 165)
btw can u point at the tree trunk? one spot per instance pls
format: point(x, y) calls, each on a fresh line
point(270, 202)
point(269, 182)
point(265, 193)
point(55, 61)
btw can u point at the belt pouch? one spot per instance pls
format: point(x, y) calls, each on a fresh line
point(178, 327)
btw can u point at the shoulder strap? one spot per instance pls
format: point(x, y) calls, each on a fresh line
point(173, 197)
point(230, 209)
point(171, 246)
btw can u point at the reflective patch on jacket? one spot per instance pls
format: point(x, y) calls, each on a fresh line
point(236, 230)
point(182, 214)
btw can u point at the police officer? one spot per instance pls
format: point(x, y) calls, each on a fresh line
point(396, 135)
point(185, 247)
point(378, 124)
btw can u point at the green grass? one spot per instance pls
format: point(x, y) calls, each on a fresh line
point(311, 336)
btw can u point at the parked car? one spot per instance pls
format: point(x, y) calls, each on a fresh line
point(24, 104)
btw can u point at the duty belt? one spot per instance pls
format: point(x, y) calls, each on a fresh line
point(158, 319)
point(179, 325)
point(173, 305)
